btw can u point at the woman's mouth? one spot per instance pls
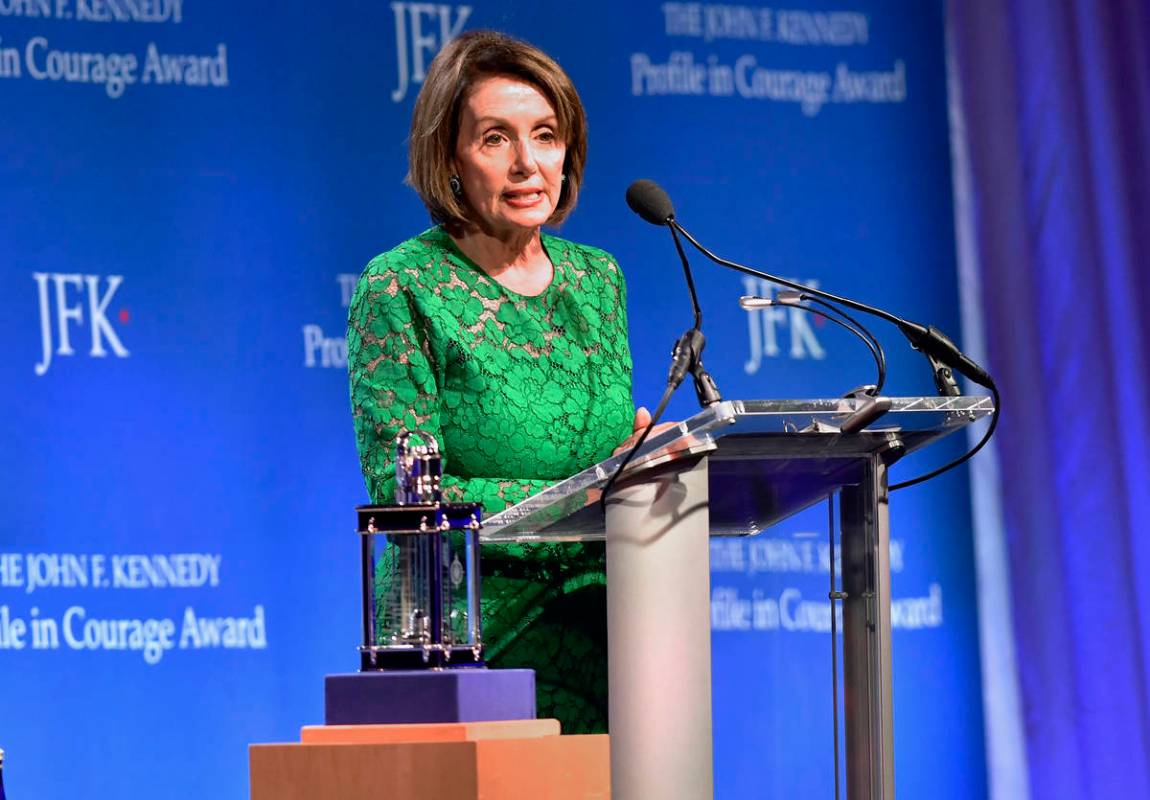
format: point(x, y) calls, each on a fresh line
point(523, 199)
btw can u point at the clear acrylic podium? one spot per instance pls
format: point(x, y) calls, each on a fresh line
point(734, 469)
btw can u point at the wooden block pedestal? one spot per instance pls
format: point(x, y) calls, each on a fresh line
point(502, 760)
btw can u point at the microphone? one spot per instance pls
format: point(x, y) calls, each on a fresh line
point(652, 203)
point(647, 199)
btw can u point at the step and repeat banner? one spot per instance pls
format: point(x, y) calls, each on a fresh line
point(188, 190)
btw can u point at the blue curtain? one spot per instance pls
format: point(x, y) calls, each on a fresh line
point(1056, 103)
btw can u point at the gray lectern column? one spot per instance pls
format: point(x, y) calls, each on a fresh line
point(866, 635)
point(659, 635)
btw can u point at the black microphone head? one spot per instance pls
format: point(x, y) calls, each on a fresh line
point(647, 199)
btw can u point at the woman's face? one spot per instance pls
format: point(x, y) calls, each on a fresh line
point(509, 155)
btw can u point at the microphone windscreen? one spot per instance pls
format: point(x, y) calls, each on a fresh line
point(647, 199)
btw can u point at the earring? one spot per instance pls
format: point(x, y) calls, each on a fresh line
point(563, 177)
point(456, 185)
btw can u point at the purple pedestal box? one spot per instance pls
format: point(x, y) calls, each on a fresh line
point(472, 694)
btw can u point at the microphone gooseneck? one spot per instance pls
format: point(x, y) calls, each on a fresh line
point(690, 282)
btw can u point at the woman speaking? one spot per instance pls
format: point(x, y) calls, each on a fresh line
point(508, 344)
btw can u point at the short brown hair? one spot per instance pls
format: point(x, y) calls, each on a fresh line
point(460, 65)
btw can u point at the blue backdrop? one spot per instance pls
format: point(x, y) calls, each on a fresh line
point(187, 196)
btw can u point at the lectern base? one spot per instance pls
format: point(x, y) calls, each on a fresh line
point(489, 760)
point(449, 695)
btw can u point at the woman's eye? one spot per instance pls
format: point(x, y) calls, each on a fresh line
point(546, 136)
point(493, 138)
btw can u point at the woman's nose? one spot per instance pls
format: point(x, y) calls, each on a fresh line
point(525, 159)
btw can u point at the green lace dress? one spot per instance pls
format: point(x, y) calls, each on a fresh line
point(521, 392)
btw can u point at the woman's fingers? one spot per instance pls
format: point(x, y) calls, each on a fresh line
point(642, 419)
point(630, 441)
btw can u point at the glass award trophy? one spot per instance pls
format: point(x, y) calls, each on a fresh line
point(420, 569)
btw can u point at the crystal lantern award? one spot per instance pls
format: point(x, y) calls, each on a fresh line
point(420, 569)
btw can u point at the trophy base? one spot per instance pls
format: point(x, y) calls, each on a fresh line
point(416, 658)
point(414, 696)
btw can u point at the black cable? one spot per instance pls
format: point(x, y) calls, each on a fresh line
point(877, 351)
point(868, 338)
point(858, 330)
point(969, 454)
point(670, 390)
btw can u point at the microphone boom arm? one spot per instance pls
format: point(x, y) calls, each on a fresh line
point(928, 339)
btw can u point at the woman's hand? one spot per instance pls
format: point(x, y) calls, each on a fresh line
point(642, 420)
